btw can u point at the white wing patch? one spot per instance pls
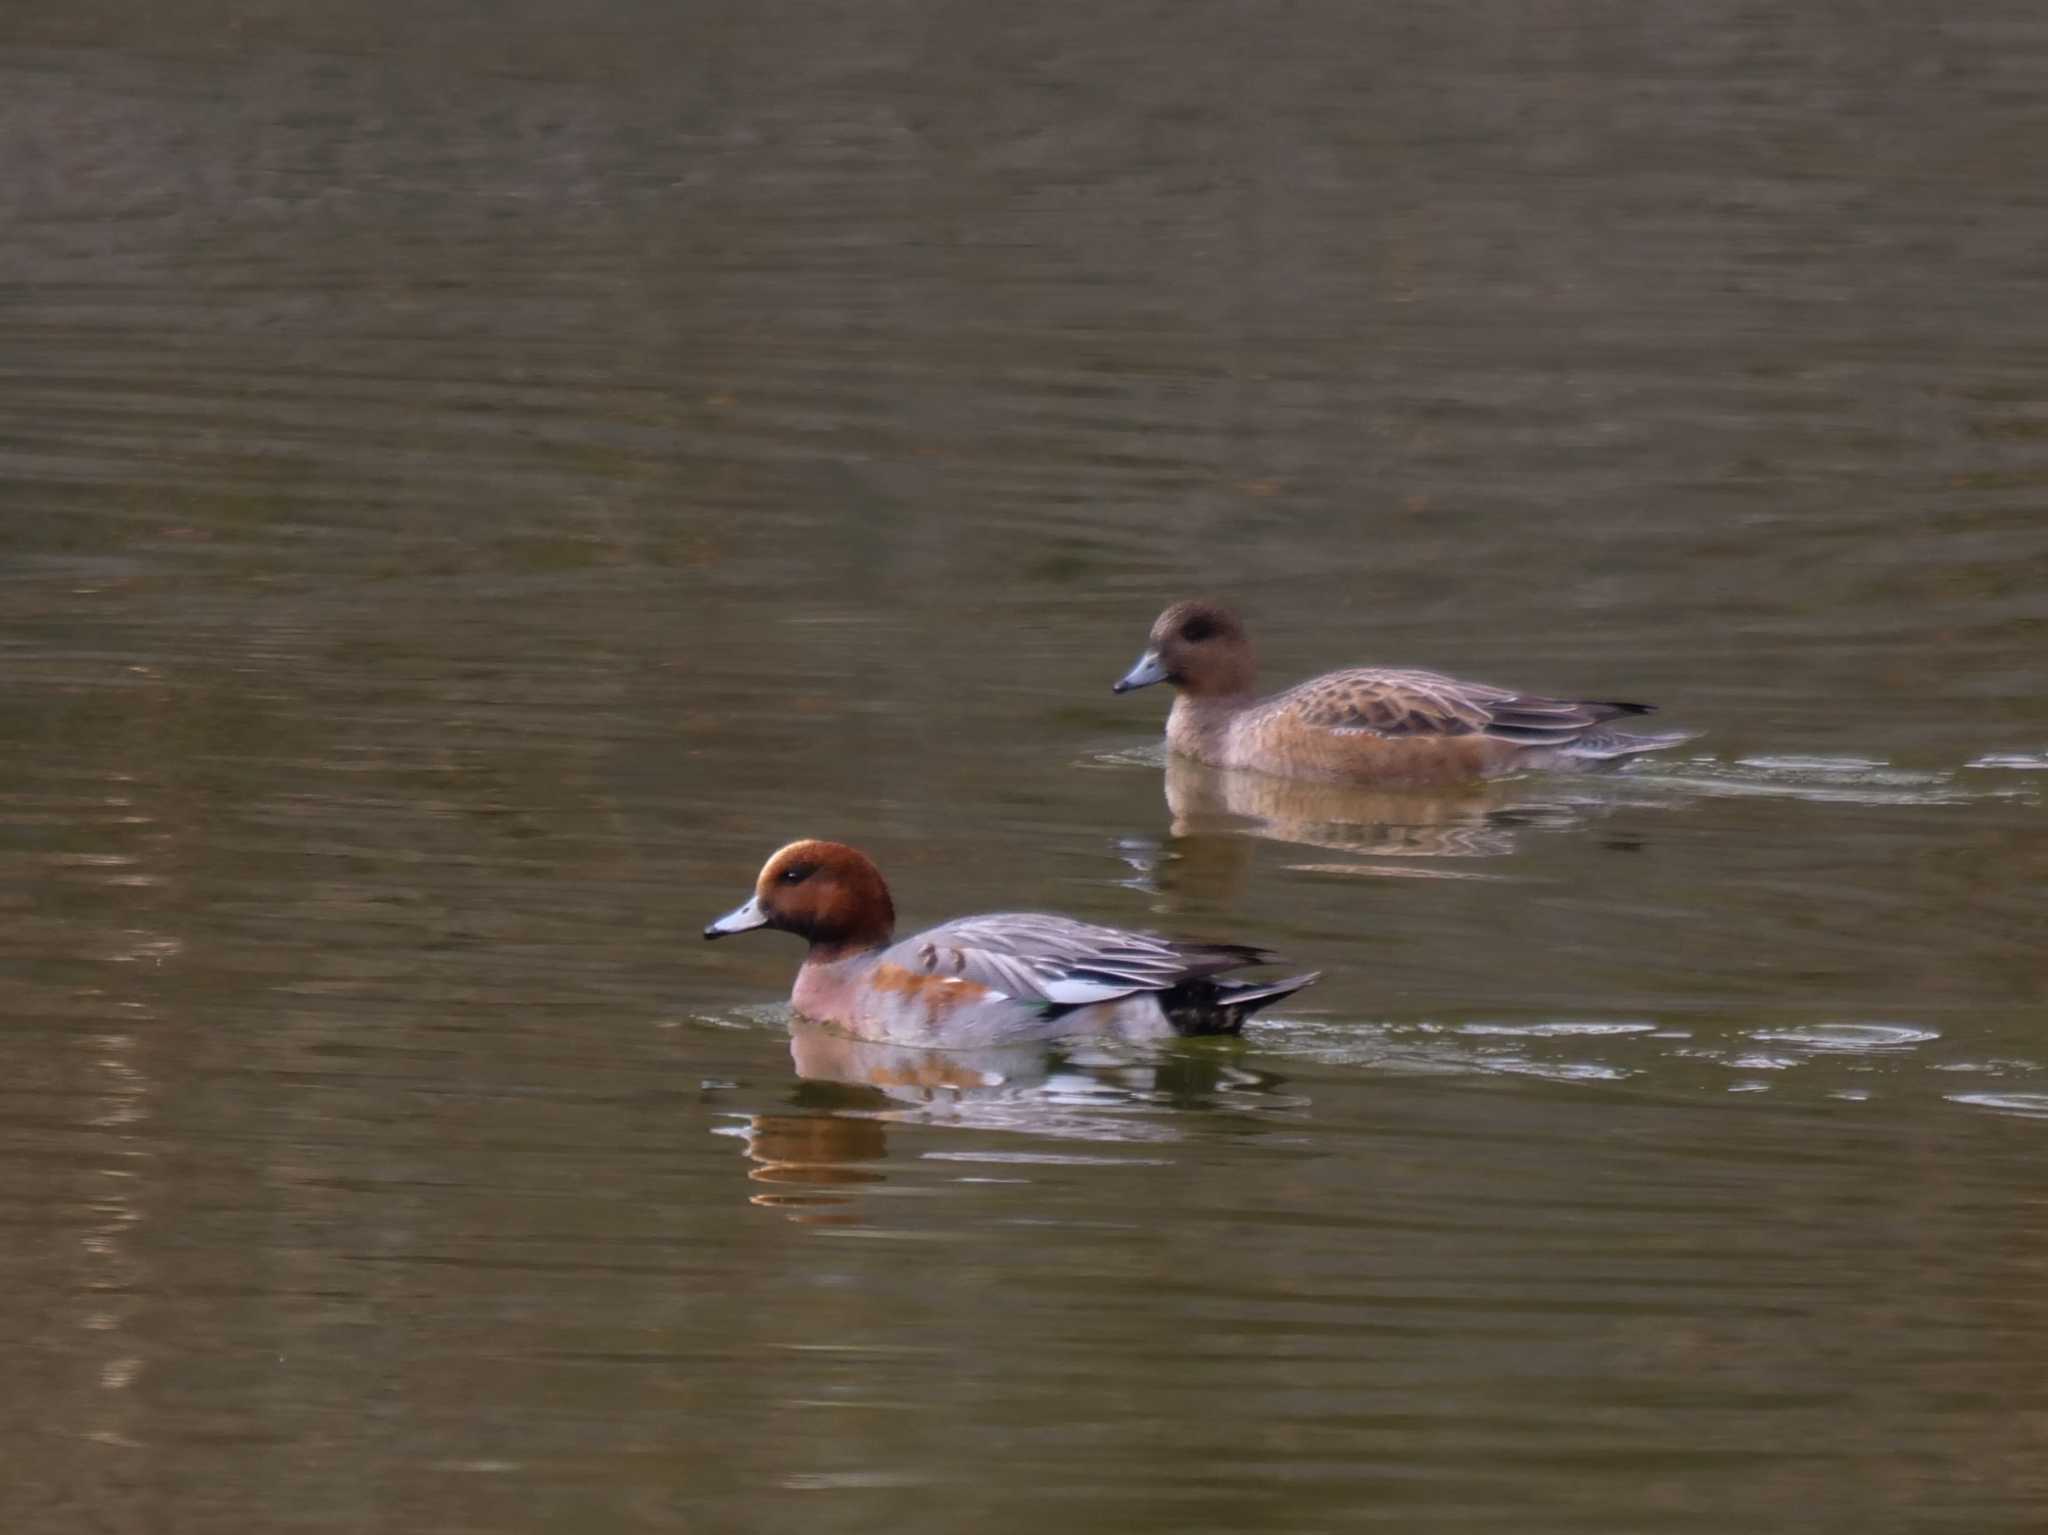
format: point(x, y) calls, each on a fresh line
point(1075, 991)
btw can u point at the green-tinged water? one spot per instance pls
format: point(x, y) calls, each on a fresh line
point(474, 481)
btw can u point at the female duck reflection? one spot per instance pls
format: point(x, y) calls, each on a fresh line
point(1220, 816)
point(1474, 821)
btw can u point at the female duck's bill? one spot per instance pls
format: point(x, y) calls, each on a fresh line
point(1199, 647)
point(1367, 725)
point(1150, 669)
point(985, 980)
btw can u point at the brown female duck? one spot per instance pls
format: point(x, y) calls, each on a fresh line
point(1369, 725)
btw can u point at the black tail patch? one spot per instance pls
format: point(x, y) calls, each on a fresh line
point(1204, 1005)
point(1617, 707)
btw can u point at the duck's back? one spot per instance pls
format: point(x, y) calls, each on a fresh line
point(1402, 728)
point(1014, 976)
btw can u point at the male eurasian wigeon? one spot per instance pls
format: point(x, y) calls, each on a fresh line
point(991, 980)
point(1401, 729)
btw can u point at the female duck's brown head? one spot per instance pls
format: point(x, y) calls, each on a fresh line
point(826, 892)
point(1199, 647)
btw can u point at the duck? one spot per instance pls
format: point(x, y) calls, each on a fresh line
point(1386, 727)
point(974, 982)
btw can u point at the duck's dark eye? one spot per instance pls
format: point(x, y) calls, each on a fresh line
point(797, 873)
point(1198, 629)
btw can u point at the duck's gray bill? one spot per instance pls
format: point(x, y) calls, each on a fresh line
point(738, 920)
point(1150, 669)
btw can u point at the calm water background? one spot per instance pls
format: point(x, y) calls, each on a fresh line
point(474, 479)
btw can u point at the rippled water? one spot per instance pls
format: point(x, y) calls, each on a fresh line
point(475, 483)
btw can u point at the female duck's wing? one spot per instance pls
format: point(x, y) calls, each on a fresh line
point(1409, 703)
point(1037, 957)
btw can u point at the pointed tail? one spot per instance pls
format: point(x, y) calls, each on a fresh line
point(1614, 745)
point(1210, 1006)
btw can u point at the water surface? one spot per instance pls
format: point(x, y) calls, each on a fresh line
point(473, 485)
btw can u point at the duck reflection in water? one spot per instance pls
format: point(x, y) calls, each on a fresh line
point(911, 1074)
point(1219, 814)
point(813, 1162)
point(853, 1092)
point(1478, 821)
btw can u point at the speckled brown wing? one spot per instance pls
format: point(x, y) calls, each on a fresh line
point(1391, 703)
point(1411, 704)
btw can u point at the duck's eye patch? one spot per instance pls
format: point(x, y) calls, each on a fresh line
point(797, 873)
point(1196, 630)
